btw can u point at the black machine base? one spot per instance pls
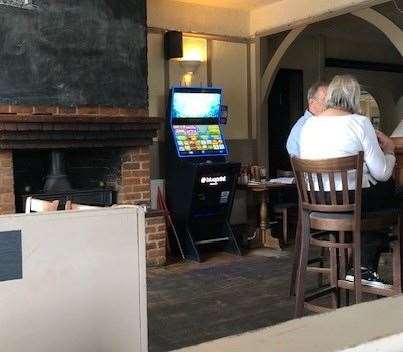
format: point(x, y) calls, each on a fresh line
point(200, 200)
point(227, 240)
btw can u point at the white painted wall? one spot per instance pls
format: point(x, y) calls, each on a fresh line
point(229, 71)
point(197, 18)
point(83, 286)
point(284, 14)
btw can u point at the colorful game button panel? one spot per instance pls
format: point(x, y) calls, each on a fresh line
point(198, 140)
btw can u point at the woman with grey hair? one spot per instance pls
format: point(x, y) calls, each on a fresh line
point(340, 131)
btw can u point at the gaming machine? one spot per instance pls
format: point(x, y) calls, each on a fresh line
point(200, 183)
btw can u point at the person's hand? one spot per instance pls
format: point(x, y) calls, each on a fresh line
point(385, 142)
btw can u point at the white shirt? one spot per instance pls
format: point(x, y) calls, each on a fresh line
point(294, 137)
point(324, 137)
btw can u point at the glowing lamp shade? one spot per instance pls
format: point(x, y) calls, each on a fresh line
point(190, 66)
point(194, 49)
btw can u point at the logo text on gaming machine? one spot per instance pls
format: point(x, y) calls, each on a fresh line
point(213, 181)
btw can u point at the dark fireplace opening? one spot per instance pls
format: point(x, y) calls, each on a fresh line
point(57, 179)
point(87, 176)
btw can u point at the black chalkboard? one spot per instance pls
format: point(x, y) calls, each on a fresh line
point(74, 52)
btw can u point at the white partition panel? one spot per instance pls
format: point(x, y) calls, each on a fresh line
point(83, 285)
point(375, 326)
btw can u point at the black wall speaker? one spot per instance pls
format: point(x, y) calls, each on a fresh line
point(173, 43)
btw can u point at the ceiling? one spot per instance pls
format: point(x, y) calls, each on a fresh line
point(232, 4)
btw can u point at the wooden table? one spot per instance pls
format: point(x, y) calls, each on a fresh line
point(263, 190)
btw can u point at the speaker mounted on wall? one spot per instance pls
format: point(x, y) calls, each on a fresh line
point(173, 42)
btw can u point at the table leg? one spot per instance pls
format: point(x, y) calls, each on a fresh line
point(400, 240)
point(268, 240)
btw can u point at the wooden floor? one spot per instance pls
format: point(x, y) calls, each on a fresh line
point(190, 303)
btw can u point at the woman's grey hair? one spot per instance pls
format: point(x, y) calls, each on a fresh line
point(344, 92)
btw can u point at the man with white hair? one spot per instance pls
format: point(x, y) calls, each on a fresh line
point(316, 105)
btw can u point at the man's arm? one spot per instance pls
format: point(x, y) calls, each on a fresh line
point(293, 138)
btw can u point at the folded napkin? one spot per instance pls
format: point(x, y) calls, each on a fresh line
point(285, 180)
point(255, 183)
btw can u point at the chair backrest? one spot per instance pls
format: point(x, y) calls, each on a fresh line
point(75, 206)
point(310, 176)
point(33, 205)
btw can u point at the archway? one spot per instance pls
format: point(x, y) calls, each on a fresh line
point(386, 26)
point(370, 108)
point(371, 17)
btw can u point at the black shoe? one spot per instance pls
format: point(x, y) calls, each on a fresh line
point(368, 278)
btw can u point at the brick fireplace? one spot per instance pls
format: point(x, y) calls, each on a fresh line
point(104, 148)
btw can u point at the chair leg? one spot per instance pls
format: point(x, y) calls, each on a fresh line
point(357, 266)
point(303, 262)
point(285, 226)
point(343, 261)
point(297, 252)
point(321, 265)
point(335, 297)
point(397, 265)
point(400, 241)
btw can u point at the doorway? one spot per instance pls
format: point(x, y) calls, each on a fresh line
point(285, 105)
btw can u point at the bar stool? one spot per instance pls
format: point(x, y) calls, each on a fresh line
point(337, 212)
point(320, 259)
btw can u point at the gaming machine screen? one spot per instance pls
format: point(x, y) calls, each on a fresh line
point(196, 104)
point(198, 140)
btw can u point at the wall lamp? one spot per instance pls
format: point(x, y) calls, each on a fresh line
point(190, 52)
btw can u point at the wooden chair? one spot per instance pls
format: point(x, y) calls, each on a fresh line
point(316, 260)
point(282, 208)
point(75, 206)
point(33, 205)
point(337, 212)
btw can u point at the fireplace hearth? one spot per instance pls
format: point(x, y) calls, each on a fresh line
point(89, 159)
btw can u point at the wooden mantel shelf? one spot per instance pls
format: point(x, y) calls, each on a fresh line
point(44, 131)
point(77, 119)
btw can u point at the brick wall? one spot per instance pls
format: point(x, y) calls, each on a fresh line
point(156, 240)
point(134, 184)
point(7, 199)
